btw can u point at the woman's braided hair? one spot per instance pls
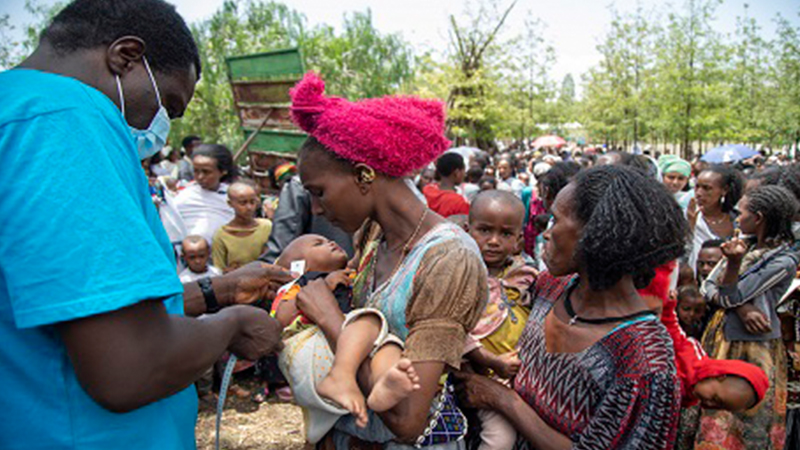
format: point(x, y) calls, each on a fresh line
point(733, 180)
point(631, 225)
point(778, 206)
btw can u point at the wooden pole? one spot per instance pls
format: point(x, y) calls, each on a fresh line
point(252, 136)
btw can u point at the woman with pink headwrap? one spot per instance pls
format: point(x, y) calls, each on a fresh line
point(422, 272)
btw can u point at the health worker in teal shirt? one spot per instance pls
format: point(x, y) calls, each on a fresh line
point(96, 351)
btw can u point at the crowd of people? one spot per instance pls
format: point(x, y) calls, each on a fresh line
point(404, 293)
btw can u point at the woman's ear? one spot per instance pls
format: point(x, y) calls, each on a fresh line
point(364, 177)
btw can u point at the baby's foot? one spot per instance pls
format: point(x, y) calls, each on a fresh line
point(395, 385)
point(344, 391)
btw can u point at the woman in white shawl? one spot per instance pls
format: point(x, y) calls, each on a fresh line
point(203, 205)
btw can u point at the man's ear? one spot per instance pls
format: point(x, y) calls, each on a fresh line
point(123, 52)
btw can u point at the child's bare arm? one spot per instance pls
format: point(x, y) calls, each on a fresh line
point(755, 322)
point(286, 312)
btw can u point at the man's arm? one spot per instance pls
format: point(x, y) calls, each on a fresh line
point(245, 285)
point(134, 356)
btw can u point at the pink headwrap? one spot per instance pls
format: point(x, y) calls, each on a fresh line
point(393, 135)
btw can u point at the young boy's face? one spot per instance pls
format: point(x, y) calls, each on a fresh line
point(691, 310)
point(730, 393)
point(320, 254)
point(707, 259)
point(244, 201)
point(497, 228)
point(196, 256)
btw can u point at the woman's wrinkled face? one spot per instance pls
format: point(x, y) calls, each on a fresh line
point(334, 191)
point(675, 182)
point(709, 189)
point(207, 173)
point(562, 236)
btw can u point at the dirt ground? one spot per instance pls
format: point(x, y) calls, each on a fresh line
point(246, 425)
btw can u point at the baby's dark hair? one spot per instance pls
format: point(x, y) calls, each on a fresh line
point(778, 206)
point(631, 225)
point(732, 180)
point(688, 291)
point(503, 197)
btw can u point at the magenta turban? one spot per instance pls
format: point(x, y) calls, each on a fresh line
point(393, 135)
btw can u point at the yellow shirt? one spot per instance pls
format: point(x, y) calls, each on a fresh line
point(229, 250)
point(504, 338)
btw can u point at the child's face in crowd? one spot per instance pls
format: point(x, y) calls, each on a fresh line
point(320, 254)
point(496, 227)
point(691, 310)
point(244, 201)
point(707, 259)
point(730, 393)
point(196, 256)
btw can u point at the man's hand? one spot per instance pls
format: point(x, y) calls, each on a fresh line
point(259, 281)
point(258, 334)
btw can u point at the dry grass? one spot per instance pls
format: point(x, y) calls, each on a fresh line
point(249, 426)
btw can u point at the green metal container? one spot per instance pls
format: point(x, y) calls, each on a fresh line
point(261, 84)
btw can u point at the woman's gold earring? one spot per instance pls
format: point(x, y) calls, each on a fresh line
point(366, 175)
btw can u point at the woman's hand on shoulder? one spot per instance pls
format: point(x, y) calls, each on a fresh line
point(317, 302)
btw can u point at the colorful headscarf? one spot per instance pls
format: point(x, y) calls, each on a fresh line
point(393, 135)
point(285, 171)
point(672, 163)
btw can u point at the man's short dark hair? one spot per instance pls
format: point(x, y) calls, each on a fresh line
point(449, 163)
point(187, 141)
point(712, 243)
point(85, 24)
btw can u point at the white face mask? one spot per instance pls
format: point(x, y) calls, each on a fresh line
point(152, 140)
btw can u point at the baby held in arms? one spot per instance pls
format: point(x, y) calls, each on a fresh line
point(364, 337)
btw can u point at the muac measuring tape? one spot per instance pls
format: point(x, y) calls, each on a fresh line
point(223, 393)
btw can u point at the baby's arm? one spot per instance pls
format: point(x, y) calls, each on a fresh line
point(286, 312)
point(505, 365)
point(754, 320)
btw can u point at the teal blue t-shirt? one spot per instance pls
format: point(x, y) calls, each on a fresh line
point(79, 236)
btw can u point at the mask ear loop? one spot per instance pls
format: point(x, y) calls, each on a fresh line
point(121, 96)
point(152, 80)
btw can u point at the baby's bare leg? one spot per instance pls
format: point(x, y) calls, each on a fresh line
point(394, 378)
point(354, 345)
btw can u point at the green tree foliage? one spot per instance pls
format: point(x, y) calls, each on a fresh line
point(13, 51)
